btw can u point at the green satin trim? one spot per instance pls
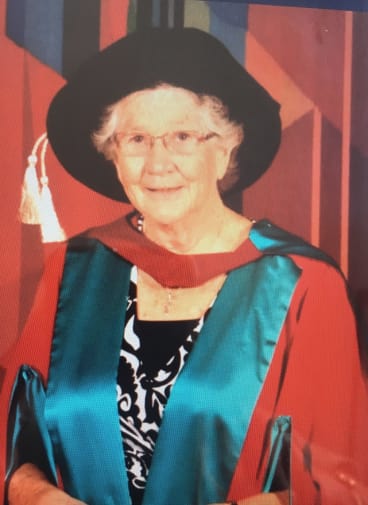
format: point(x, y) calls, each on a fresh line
point(81, 403)
point(271, 239)
point(211, 404)
point(278, 468)
point(28, 436)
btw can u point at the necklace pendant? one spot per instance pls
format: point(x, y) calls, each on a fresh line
point(169, 300)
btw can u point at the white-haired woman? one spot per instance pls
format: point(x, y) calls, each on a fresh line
point(186, 355)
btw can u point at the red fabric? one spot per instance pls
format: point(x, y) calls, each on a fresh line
point(323, 387)
point(323, 390)
point(170, 269)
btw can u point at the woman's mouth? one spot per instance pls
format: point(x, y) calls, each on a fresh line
point(164, 190)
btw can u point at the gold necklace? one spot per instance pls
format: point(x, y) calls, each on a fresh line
point(169, 297)
point(169, 300)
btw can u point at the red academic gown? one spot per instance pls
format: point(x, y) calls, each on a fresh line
point(315, 377)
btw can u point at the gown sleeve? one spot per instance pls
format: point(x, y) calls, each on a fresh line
point(23, 436)
point(28, 437)
point(326, 389)
point(317, 383)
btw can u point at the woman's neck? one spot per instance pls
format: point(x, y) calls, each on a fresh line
point(218, 231)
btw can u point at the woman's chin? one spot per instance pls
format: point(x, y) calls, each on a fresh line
point(159, 195)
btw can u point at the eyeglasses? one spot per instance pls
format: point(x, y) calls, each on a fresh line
point(178, 142)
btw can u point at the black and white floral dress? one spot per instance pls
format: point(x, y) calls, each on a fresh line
point(151, 357)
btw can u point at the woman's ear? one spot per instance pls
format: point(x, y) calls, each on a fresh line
point(113, 156)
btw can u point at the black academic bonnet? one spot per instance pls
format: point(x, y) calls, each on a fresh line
point(187, 58)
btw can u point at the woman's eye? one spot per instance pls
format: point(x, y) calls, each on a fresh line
point(136, 139)
point(183, 136)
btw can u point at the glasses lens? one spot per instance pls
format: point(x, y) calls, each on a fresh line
point(182, 142)
point(178, 142)
point(134, 144)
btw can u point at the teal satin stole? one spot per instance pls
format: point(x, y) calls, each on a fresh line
point(81, 406)
point(209, 410)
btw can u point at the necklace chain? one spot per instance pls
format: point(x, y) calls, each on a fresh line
point(169, 300)
point(171, 293)
point(176, 297)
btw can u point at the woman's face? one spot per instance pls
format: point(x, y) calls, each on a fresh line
point(165, 186)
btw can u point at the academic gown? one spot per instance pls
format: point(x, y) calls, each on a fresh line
point(271, 397)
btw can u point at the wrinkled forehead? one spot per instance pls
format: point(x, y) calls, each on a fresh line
point(160, 106)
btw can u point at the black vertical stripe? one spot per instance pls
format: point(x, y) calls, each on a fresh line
point(179, 13)
point(164, 13)
point(144, 14)
point(81, 32)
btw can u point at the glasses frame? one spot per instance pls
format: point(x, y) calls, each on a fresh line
point(147, 147)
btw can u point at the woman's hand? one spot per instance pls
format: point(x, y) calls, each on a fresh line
point(263, 499)
point(29, 486)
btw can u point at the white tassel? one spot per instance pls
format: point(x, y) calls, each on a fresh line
point(51, 230)
point(30, 200)
point(37, 206)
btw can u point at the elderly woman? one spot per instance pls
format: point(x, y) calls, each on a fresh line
point(185, 355)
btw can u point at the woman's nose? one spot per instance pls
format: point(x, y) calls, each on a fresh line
point(158, 158)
